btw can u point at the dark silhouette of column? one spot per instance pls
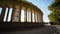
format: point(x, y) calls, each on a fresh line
point(7, 14)
point(2, 13)
point(25, 14)
point(20, 15)
point(12, 13)
point(31, 15)
point(34, 16)
point(37, 16)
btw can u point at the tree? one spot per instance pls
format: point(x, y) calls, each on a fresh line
point(55, 12)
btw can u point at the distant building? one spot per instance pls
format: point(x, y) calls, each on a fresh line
point(19, 11)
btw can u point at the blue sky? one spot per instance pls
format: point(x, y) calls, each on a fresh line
point(43, 5)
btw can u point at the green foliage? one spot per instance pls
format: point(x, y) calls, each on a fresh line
point(55, 12)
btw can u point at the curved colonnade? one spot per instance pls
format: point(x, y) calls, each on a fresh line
point(19, 11)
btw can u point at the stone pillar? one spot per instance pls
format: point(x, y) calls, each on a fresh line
point(20, 14)
point(12, 14)
point(31, 15)
point(36, 16)
point(7, 14)
point(28, 15)
point(2, 13)
point(25, 14)
point(41, 18)
point(15, 17)
point(9, 6)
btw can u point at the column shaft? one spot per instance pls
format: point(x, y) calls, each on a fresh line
point(34, 16)
point(7, 14)
point(20, 15)
point(16, 12)
point(12, 14)
point(37, 17)
point(31, 15)
point(25, 15)
point(2, 13)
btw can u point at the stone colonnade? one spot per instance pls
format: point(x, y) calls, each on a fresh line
point(30, 15)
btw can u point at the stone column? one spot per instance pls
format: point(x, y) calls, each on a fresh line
point(9, 7)
point(25, 17)
point(33, 17)
point(2, 13)
point(36, 16)
point(25, 14)
point(20, 14)
point(15, 17)
point(29, 15)
point(41, 18)
point(7, 14)
point(12, 14)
